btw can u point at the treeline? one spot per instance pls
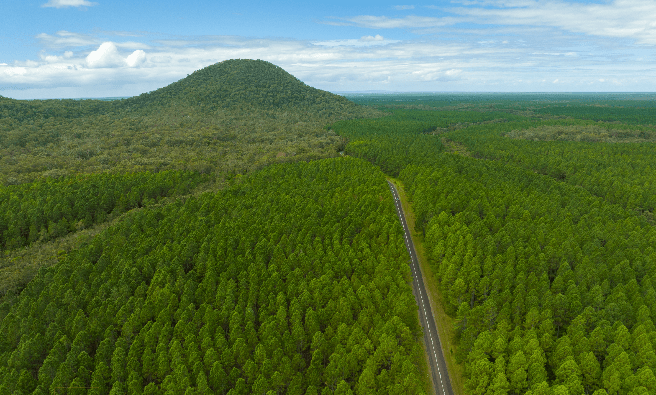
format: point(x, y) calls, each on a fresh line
point(294, 280)
point(51, 208)
point(406, 136)
point(626, 108)
point(622, 172)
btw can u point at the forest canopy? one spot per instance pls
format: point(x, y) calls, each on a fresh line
point(539, 229)
point(294, 280)
point(208, 237)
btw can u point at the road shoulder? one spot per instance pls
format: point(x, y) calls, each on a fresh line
point(444, 323)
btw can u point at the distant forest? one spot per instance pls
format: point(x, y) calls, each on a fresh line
point(233, 233)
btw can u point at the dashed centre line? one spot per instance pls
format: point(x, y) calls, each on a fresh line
point(425, 317)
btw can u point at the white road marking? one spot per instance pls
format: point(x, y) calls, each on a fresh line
point(416, 279)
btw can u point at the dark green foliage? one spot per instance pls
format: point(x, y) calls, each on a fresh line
point(294, 279)
point(406, 136)
point(544, 250)
point(621, 173)
point(48, 209)
point(241, 83)
point(43, 220)
point(532, 266)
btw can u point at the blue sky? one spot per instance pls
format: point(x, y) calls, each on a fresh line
point(102, 48)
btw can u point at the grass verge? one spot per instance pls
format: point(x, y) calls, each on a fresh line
point(444, 322)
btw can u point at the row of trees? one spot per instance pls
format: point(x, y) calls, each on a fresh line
point(51, 208)
point(294, 280)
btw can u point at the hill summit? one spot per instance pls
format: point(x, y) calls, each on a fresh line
point(243, 83)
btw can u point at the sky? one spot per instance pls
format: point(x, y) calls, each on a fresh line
point(119, 48)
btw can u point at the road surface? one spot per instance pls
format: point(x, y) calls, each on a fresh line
point(436, 361)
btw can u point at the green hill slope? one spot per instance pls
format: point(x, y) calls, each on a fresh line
point(231, 117)
point(240, 83)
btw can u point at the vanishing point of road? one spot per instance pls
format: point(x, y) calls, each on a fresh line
point(436, 361)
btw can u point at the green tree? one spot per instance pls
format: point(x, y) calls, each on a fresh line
point(591, 371)
point(517, 373)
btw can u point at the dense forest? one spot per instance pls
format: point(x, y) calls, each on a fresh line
point(208, 237)
point(538, 221)
point(293, 280)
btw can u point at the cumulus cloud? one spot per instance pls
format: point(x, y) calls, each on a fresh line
point(107, 55)
point(68, 3)
point(136, 58)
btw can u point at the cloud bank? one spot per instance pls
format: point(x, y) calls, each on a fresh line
point(634, 19)
point(471, 45)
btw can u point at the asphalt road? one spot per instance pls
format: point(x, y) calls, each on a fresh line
point(441, 381)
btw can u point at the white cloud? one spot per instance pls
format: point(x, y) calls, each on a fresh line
point(105, 56)
point(634, 19)
point(383, 22)
point(63, 39)
point(160, 59)
point(111, 69)
point(404, 7)
point(619, 18)
point(136, 58)
point(68, 3)
point(364, 41)
point(132, 45)
point(555, 53)
point(377, 37)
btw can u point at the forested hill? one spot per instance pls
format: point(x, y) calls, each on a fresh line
point(229, 118)
point(242, 83)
